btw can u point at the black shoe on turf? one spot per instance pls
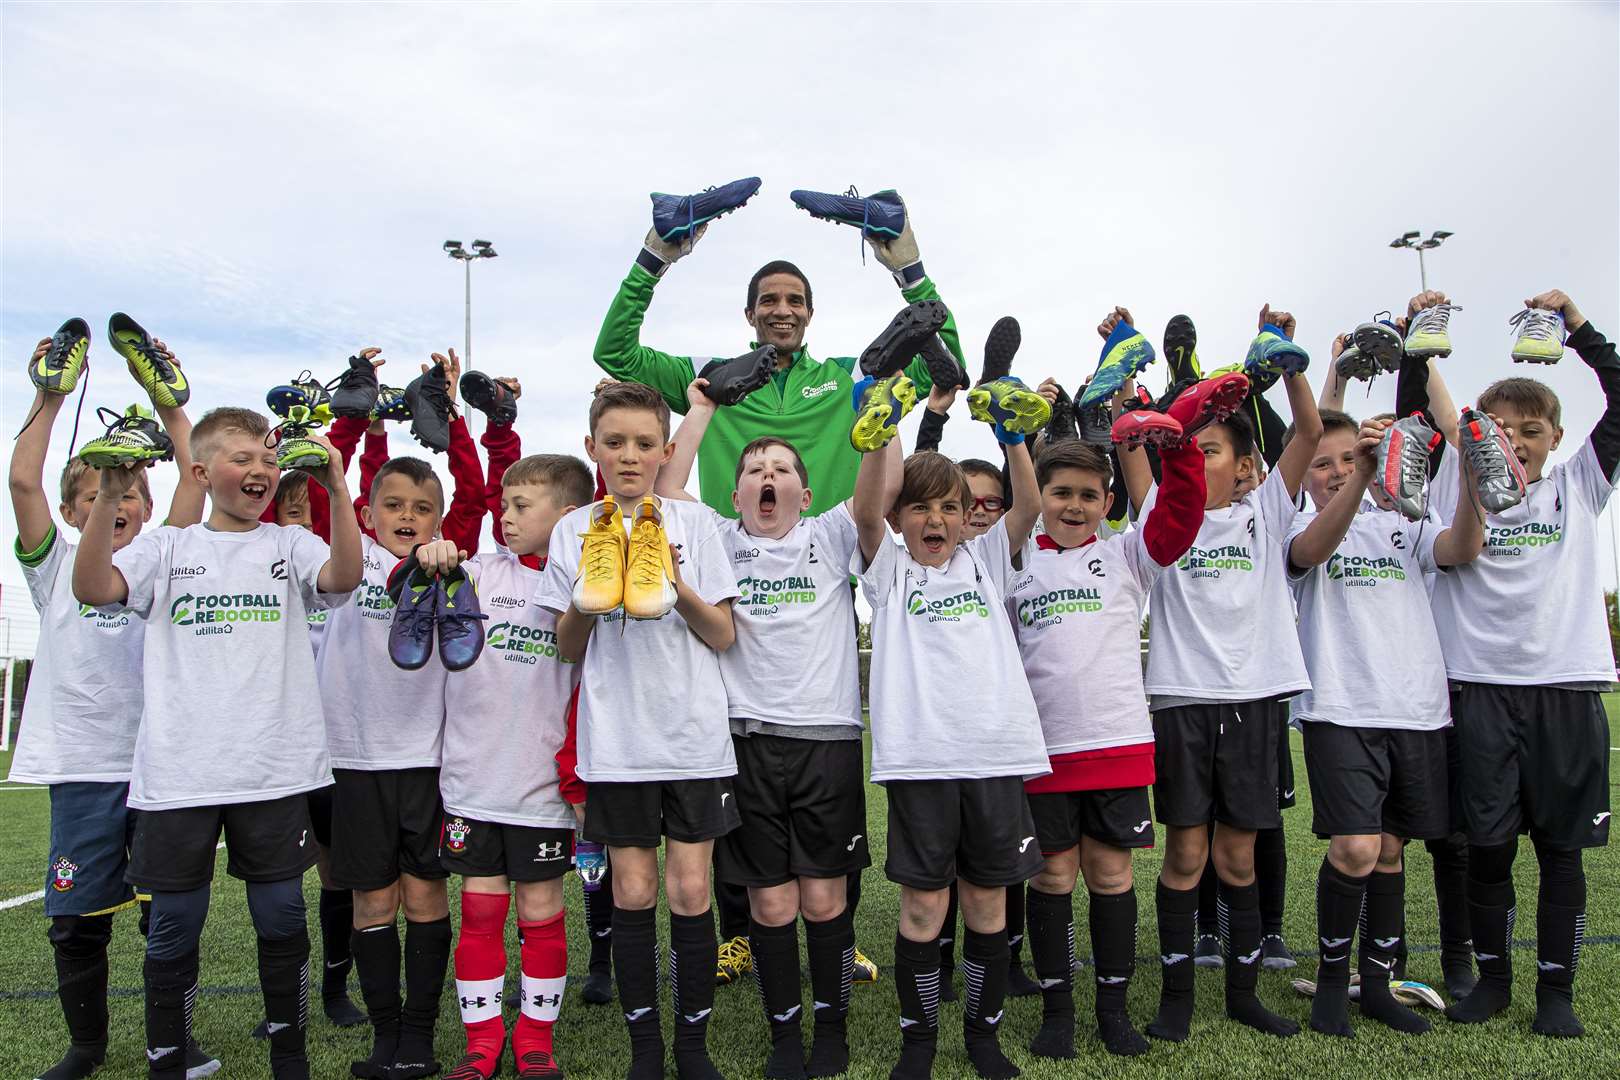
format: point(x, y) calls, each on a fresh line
point(489, 396)
point(1000, 348)
point(903, 338)
point(428, 396)
point(943, 370)
point(598, 989)
point(199, 1062)
point(341, 1011)
point(354, 393)
point(1019, 984)
point(1275, 954)
point(1180, 347)
point(1207, 953)
point(78, 1063)
point(732, 380)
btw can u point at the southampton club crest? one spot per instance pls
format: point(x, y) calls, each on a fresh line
point(455, 835)
point(63, 881)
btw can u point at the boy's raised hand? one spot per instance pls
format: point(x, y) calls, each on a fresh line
point(511, 383)
point(1282, 320)
point(1372, 434)
point(1558, 300)
point(439, 557)
point(331, 478)
point(1113, 319)
point(452, 370)
point(696, 399)
point(1428, 298)
point(1050, 390)
point(941, 398)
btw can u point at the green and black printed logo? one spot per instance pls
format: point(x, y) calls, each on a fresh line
point(219, 613)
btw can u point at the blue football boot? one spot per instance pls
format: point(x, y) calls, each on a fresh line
point(675, 217)
point(1271, 355)
point(1124, 354)
point(416, 603)
point(461, 623)
point(881, 216)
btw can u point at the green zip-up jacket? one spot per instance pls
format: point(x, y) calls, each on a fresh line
point(808, 404)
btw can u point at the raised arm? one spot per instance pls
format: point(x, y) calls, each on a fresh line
point(96, 581)
point(688, 437)
point(502, 447)
point(1026, 501)
point(1296, 456)
point(1464, 539)
point(1333, 384)
point(345, 566)
point(900, 256)
point(27, 475)
point(1598, 354)
point(932, 427)
point(1322, 537)
point(619, 350)
point(875, 493)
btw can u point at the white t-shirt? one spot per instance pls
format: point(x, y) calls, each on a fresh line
point(1366, 628)
point(794, 661)
point(1080, 611)
point(1223, 622)
point(652, 705)
point(317, 629)
point(949, 697)
point(378, 715)
point(232, 713)
point(507, 715)
point(84, 694)
point(1529, 610)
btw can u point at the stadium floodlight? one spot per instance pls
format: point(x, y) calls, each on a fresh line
point(481, 249)
point(1411, 240)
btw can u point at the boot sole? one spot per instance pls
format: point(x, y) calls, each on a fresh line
point(1000, 347)
point(1026, 411)
point(902, 339)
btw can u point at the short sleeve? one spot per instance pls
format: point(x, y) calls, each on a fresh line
point(556, 588)
point(308, 555)
point(1277, 508)
point(1132, 544)
point(994, 551)
point(42, 566)
point(706, 566)
point(877, 577)
point(142, 563)
point(836, 532)
point(1586, 478)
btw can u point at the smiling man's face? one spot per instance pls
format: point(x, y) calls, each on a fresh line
point(781, 313)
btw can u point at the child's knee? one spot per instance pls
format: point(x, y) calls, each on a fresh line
point(277, 908)
point(177, 923)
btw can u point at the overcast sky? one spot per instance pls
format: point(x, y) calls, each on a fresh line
point(267, 187)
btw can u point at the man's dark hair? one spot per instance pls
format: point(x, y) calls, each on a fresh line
point(777, 266)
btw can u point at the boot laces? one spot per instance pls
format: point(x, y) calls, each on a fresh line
point(120, 422)
point(646, 562)
point(1538, 323)
point(1434, 320)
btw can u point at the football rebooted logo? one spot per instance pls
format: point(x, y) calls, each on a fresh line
point(1510, 543)
point(218, 613)
point(523, 644)
point(1358, 570)
point(1049, 608)
point(1210, 562)
point(767, 596)
point(103, 622)
point(950, 609)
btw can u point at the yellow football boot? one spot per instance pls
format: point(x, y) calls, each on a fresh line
point(599, 588)
point(649, 576)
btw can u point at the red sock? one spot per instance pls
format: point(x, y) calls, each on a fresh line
point(545, 974)
point(481, 973)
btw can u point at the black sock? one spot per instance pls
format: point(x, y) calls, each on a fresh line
point(337, 923)
point(1015, 923)
point(599, 923)
point(427, 959)
point(1492, 911)
point(79, 943)
point(170, 985)
point(1240, 913)
point(693, 953)
point(635, 970)
point(1560, 931)
point(852, 893)
point(1178, 914)
point(947, 937)
point(1383, 929)
point(984, 977)
point(1113, 950)
point(1338, 906)
point(1208, 920)
point(1051, 947)
point(284, 981)
point(917, 977)
point(1451, 898)
point(376, 962)
point(732, 900)
point(1271, 877)
point(831, 947)
point(776, 974)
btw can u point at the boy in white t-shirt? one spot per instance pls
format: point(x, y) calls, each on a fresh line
point(1223, 661)
point(792, 682)
point(225, 606)
point(952, 753)
point(1077, 605)
point(653, 742)
point(1374, 719)
point(509, 804)
point(1527, 704)
point(78, 729)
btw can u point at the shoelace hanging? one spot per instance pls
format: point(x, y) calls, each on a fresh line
point(1436, 318)
point(1538, 323)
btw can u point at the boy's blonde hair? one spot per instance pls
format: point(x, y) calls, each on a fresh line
point(73, 473)
point(1531, 397)
point(628, 395)
point(217, 423)
point(565, 476)
point(932, 475)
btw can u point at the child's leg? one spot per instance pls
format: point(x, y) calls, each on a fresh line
point(480, 959)
point(1019, 984)
point(1341, 885)
point(1112, 903)
point(1492, 911)
point(427, 960)
point(774, 934)
point(337, 919)
point(917, 976)
point(693, 953)
point(172, 963)
point(1239, 903)
point(1208, 952)
point(829, 933)
point(545, 970)
point(365, 859)
point(1450, 857)
point(277, 908)
point(1271, 880)
point(984, 974)
point(1051, 944)
point(1560, 926)
point(598, 989)
point(947, 947)
point(1186, 851)
point(635, 948)
point(1383, 929)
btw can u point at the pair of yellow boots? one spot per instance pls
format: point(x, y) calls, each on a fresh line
point(635, 572)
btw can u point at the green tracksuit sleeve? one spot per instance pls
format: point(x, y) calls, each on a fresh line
point(619, 350)
point(917, 370)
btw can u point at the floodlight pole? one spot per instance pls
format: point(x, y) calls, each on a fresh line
point(1412, 240)
point(481, 249)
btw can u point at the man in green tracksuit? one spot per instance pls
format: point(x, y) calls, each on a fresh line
point(808, 401)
